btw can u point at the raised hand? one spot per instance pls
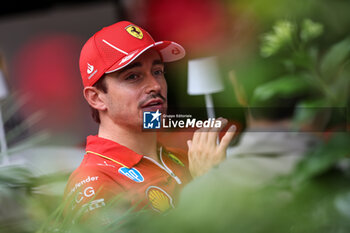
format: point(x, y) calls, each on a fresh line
point(203, 150)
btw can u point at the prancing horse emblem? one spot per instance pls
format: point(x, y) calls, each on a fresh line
point(134, 31)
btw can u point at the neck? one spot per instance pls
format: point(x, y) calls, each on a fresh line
point(144, 143)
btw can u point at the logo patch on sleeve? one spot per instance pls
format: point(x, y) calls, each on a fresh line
point(131, 173)
point(159, 199)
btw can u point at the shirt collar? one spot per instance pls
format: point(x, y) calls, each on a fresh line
point(112, 150)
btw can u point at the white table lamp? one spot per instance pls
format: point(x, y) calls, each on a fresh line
point(204, 79)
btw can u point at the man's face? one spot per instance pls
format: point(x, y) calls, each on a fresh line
point(138, 87)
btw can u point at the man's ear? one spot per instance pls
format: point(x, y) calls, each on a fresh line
point(94, 97)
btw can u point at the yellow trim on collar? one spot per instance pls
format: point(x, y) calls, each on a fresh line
point(115, 161)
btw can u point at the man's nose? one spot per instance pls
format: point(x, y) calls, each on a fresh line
point(152, 84)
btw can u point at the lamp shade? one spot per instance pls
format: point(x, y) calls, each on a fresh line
point(203, 76)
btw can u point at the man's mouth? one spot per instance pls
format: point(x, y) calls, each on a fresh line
point(153, 105)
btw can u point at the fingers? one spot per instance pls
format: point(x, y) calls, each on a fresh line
point(226, 139)
point(213, 132)
point(189, 144)
point(203, 151)
point(205, 136)
point(200, 136)
point(209, 136)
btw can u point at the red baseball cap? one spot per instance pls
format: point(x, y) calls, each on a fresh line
point(116, 46)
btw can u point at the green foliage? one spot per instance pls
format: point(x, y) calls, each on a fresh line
point(324, 77)
point(310, 30)
point(323, 158)
point(335, 60)
point(277, 40)
point(287, 35)
point(289, 86)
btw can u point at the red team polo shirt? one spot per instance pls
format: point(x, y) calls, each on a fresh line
point(110, 169)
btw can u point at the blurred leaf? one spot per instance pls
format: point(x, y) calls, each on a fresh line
point(302, 59)
point(238, 89)
point(307, 111)
point(310, 30)
point(35, 139)
point(334, 59)
point(278, 39)
point(25, 125)
point(341, 88)
point(12, 104)
point(342, 203)
point(289, 65)
point(313, 53)
point(15, 175)
point(323, 158)
point(288, 86)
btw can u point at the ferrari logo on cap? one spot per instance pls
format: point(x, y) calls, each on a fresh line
point(134, 31)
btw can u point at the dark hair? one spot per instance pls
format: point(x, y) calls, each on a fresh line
point(280, 109)
point(100, 85)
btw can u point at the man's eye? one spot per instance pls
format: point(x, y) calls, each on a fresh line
point(131, 77)
point(159, 72)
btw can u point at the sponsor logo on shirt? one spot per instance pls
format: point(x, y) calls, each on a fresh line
point(83, 194)
point(94, 204)
point(82, 182)
point(159, 199)
point(88, 192)
point(131, 173)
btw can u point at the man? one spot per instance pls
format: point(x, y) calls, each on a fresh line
point(271, 146)
point(122, 69)
point(245, 188)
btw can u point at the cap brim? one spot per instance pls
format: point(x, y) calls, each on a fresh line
point(168, 50)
